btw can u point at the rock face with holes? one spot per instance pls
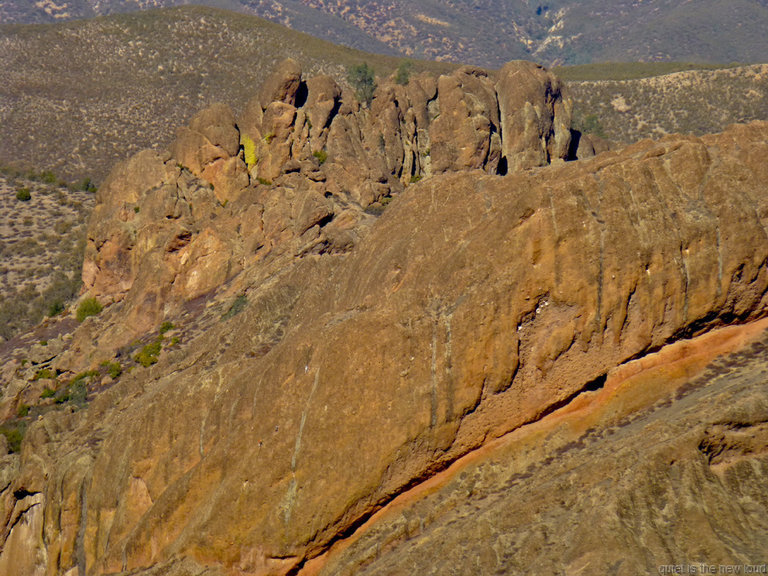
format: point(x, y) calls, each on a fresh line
point(334, 357)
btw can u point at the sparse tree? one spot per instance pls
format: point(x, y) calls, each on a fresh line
point(403, 74)
point(362, 79)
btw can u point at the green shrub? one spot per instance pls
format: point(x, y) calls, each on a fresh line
point(45, 374)
point(87, 185)
point(22, 411)
point(47, 393)
point(23, 194)
point(48, 177)
point(264, 181)
point(55, 308)
point(76, 392)
point(14, 432)
point(88, 307)
point(403, 74)
point(588, 124)
point(415, 178)
point(362, 79)
point(166, 327)
point(237, 306)
point(149, 354)
point(321, 156)
point(114, 369)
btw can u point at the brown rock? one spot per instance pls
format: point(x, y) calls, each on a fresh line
point(108, 270)
point(274, 149)
point(535, 119)
point(355, 356)
point(204, 265)
point(282, 85)
point(421, 348)
point(465, 134)
point(322, 102)
point(217, 125)
point(212, 135)
point(229, 178)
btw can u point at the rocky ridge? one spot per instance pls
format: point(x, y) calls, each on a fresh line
point(321, 355)
point(301, 172)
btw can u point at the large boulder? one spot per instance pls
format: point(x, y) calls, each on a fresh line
point(282, 85)
point(535, 118)
point(466, 133)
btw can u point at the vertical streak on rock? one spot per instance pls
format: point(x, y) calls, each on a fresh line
point(448, 369)
point(290, 495)
point(719, 262)
point(599, 315)
point(80, 539)
point(433, 371)
point(686, 282)
point(554, 216)
point(297, 447)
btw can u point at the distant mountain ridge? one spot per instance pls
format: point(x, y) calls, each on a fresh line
point(489, 32)
point(126, 80)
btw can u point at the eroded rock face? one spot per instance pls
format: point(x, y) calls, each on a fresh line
point(474, 305)
point(171, 228)
point(666, 442)
point(535, 122)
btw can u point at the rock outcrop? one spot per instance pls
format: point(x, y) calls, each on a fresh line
point(327, 361)
point(295, 174)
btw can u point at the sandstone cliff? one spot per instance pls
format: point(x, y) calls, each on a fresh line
point(324, 358)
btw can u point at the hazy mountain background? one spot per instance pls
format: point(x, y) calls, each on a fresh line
point(489, 32)
point(77, 96)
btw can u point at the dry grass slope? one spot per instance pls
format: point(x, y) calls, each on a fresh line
point(41, 250)
point(692, 101)
point(77, 97)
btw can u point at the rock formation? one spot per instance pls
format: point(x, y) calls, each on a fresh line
point(296, 173)
point(330, 358)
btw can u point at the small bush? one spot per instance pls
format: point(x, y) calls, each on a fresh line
point(87, 185)
point(149, 354)
point(48, 177)
point(237, 306)
point(403, 74)
point(22, 411)
point(166, 327)
point(415, 178)
point(14, 432)
point(88, 307)
point(55, 308)
point(45, 374)
point(47, 393)
point(76, 392)
point(23, 195)
point(321, 156)
point(264, 181)
point(362, 79)
point(114, 369)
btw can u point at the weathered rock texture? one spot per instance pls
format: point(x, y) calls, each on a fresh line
point(663, 467)
point(168, 229)
point(344, 359)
